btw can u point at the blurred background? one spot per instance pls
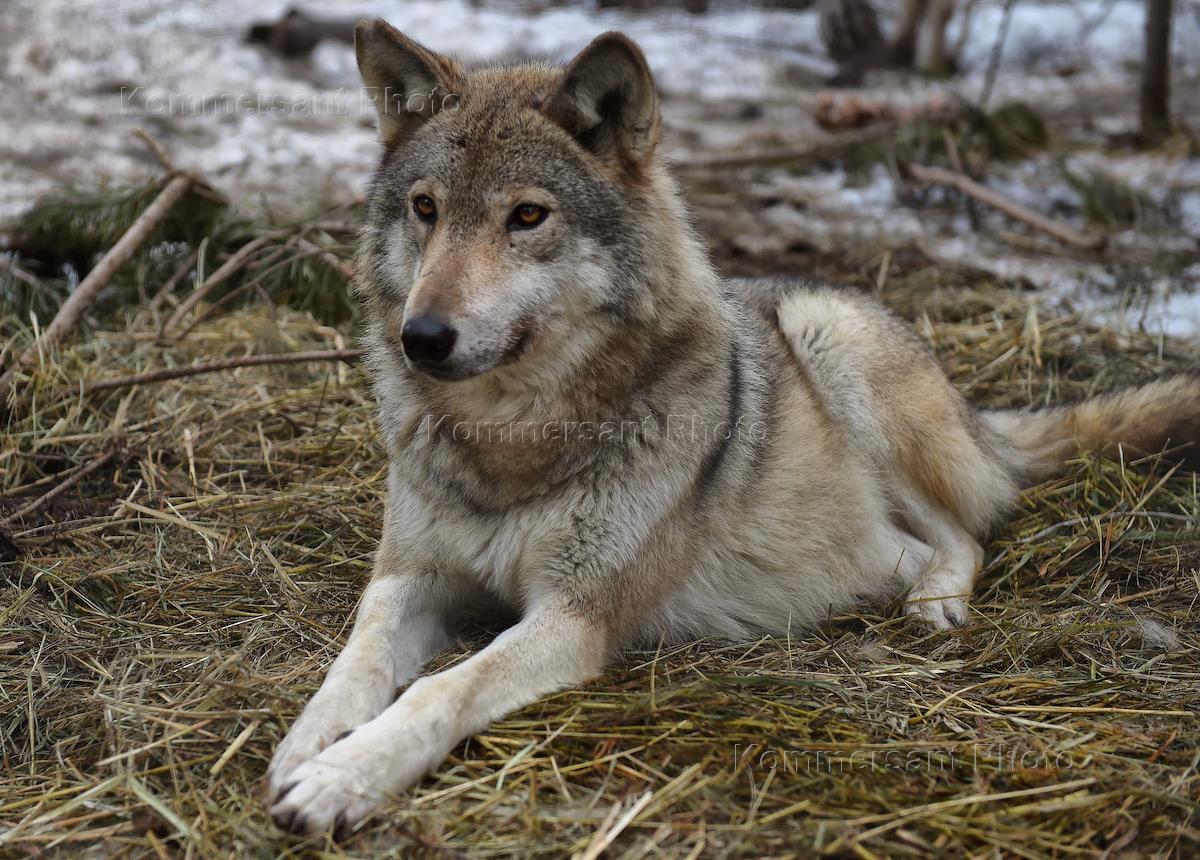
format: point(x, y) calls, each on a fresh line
point(791, 123)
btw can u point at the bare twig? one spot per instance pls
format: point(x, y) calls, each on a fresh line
point(222, 274)
point(329, 257)
point(201, 186)
point(335, 226)
point(163, 374)
point(157, 148)
point(1062, 232)
point(98, 278)
point(41, 501)
point(172, 282)
point(254, 284)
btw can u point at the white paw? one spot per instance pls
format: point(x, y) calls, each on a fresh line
point(342, 785)
point(322, 724)
point(938, 604)
point(331, 792)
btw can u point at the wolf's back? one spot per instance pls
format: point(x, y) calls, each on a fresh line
point(1161, 416)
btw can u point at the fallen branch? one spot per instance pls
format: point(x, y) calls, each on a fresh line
point(837, 111)
point(223, 273)
point(41, 501)
point(166, 373)
point(252, 284)
point(97, 279)
point(166, 290)
point(961, 182)
point(341, 267)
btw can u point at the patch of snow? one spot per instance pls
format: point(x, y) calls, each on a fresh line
point(826, 210)
point(69, 69)
point(77, 78)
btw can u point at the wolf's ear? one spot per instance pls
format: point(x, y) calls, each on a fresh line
point(407, 82)
point(607, 100)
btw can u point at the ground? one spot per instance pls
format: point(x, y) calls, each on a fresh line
point(172, 613)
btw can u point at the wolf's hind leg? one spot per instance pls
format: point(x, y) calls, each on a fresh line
point(941, 592)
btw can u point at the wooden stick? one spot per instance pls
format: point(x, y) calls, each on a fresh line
point(1062, 232)
point(165, 291)
point(160, 154)
point(49, 496)
point(157, 148)
point(270, 263)
point(163, 374)
point(223, 272)
point(329, 257)
point(97, 279)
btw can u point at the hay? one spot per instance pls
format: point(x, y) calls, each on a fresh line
point(174, 610)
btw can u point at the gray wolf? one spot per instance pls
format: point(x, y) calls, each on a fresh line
point(588, 426)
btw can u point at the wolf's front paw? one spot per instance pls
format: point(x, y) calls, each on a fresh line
point(342, 785)
point(937, 605)
point(326, 793)
point(318, 727)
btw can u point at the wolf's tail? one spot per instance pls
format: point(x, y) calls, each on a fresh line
point(1161, 416)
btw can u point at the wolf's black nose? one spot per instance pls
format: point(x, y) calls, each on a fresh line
point(427, 339)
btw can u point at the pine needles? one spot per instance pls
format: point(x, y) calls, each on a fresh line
point(299, 264)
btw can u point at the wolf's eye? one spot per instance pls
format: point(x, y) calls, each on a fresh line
point(527, 215)
point(425, 208)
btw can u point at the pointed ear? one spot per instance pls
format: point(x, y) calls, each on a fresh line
point(607, 100)
point(407, 82)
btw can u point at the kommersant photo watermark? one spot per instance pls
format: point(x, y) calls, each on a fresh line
point(969, 758)
point(672, 428)
point(355, 101)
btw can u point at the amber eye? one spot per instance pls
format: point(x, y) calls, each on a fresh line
point(425, 208)
point(527, 215)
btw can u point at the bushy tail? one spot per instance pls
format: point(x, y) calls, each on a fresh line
point(1161, 416)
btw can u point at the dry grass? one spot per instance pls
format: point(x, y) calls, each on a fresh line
point(174, 610)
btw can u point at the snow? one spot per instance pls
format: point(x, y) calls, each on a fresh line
point(77, 78)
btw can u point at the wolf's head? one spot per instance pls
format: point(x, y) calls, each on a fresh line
point(520, 216)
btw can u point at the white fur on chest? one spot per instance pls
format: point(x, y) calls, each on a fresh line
point(481, 551)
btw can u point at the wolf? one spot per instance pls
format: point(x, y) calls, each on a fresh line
point(589, 427)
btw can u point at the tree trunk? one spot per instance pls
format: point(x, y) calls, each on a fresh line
point(1156, 72)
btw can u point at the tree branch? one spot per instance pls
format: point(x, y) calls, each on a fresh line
point(166, 373)
point(1062, 232)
